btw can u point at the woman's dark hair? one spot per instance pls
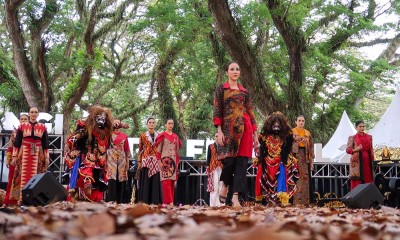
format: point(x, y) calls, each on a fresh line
point(150, 119)
point(359, 122)
point(166, 121)
point(300, 116)
point(229, 63)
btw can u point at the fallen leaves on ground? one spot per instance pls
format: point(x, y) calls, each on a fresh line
point(83, 220)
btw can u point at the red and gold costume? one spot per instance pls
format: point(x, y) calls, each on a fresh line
point(360, 162)
point(233, 111)
point(303, 148)
point(86, 154)
point(149, 175)
point(276, 166)
point(30, 156)
point(168, 146)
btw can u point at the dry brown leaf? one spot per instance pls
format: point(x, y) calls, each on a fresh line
point(99, 224)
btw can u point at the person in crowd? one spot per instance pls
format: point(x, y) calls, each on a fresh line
point(30, 154)
point(23, 118)
point(214, 169)
point(303, 148)
point(168, 145)
point(149, 190)
point(362, 156)
point(237, 132)
point(117, 166)
point(276, 166)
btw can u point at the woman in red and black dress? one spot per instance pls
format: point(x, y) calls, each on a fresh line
point(237, 132)
point(362, 156)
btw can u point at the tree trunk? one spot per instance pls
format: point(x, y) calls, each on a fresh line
point(240, 50)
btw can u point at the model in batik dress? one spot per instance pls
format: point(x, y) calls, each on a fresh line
point(149, 166)
point(303, 149)
point(168, 145)
point(30, 153)
point(362, 156)
point(237, 132)
point(118, 156)
point(214, 169)
point(24, 118)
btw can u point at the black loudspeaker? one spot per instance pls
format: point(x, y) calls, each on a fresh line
point(43, 189)
point(365, 195)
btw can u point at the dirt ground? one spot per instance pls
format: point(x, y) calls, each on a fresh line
point(83, 220)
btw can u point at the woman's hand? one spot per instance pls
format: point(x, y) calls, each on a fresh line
point(357, 148)
point(220, 138)
point(256, 143)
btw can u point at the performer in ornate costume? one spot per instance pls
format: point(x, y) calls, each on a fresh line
point(237, 132)
point(362, 156)
point(86, 154)
point(214, 170)
point(168, 145)
point(149, 166)
point(117, 167)
point(22, 119)
point(30, 153)
point(276, 166)
point(303, 148)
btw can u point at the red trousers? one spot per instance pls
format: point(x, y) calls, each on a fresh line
point(168, 191)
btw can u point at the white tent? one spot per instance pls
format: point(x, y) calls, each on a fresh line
point(387, 131)
point(335, 149)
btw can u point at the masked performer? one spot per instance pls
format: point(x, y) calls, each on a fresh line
point(117, 163)
point(30, 153)
point(303, 148)
point(277, 168)
point(86, 155)
point(22, 119)
point(149, 166)
point(362, 156)
point(168, 145)
point(214, 170)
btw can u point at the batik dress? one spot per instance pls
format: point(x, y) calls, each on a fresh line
point(30, 156)
point(168, 146)
point(304, 153)
point(233, 111)
point(149, 176)
point(117, 167)
point(360, 164)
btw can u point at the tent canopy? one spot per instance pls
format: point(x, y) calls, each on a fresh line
point(335, 149)
point(387, 131)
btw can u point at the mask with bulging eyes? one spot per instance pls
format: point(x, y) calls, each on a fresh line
point(276, 127)
point(100, 120)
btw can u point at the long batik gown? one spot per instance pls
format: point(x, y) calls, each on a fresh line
point(30, 156)
point(149, 176)
point(11, 169)
point(360, 164)
point(273, 152)
point(233, 111)
point(304, 153)
point(117, 167)
point(168, 146)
